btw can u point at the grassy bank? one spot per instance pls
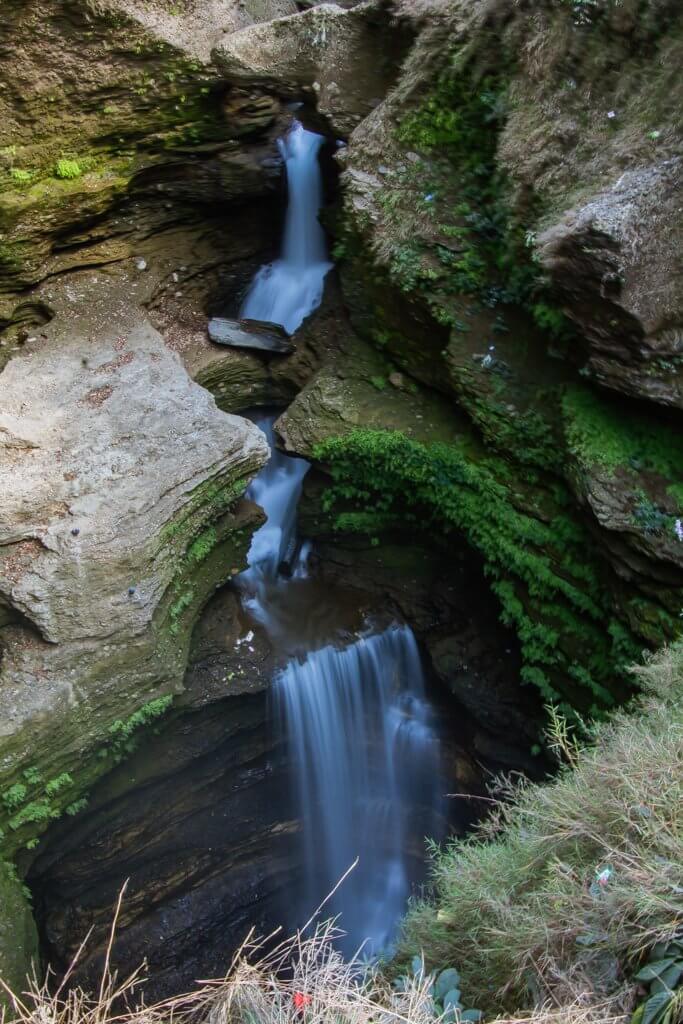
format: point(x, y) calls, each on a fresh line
point(571, 888)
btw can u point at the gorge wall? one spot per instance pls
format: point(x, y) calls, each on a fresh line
point(491, 392)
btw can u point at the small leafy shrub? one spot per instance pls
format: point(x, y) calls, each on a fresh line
point(444, 990)
point(21, 177)
point(59, 783)
point(202, 547)
point(14, 796)
point(551, 319)
point(76, 807)
point(68, 169)
point(183, 602)
point(123, 733)
point(662, 974)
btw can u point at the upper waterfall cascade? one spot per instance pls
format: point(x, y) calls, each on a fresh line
point(287, 290)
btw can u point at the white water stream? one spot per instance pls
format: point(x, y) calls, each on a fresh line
point(354, 713)
point(286, 291)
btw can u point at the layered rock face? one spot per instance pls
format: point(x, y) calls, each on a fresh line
point(200, 823)
point(510, 224)
point(121, 514)
point(114, 140)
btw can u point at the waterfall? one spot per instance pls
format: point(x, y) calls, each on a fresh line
point(353, 713)
point(276, 489)
point(360, 731)
point(367, 765)
point(286, 291)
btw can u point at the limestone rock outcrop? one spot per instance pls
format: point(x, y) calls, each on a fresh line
point(357, 388)
point(615, 268)
point(345, 58)
point(121, 513)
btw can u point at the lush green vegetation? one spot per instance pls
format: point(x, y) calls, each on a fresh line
point(600, 433)
point(476, 248)
point(575, 886)
point(541, 569)
point(35, 802)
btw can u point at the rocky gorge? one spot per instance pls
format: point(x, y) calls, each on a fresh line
point(489, 394)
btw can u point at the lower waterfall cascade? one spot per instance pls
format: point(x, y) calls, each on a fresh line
point(368, 771)
point(359, 728)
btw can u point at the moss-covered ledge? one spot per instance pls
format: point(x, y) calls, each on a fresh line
point(541, 562)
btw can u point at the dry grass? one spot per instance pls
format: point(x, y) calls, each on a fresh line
point(303, 978)
point(300, 981)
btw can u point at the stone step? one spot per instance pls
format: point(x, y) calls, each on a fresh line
point(258, 334)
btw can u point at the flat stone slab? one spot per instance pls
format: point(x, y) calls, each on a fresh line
point(258, 334)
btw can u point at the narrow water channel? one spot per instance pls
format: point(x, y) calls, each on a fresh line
point(353, 713)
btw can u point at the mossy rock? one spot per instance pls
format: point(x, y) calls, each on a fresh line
point(18, 934)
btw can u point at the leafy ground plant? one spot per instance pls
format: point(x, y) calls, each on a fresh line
point(444, 989)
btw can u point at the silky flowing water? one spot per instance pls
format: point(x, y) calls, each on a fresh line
point(286, 291)
point(352, 709)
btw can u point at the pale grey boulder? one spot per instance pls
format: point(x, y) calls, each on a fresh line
point(121, 512)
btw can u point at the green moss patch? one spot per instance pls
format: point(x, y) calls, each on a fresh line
point(601, 433)
point(542, 570)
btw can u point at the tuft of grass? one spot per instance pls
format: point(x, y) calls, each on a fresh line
point(68, 169)
point(570, 885)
